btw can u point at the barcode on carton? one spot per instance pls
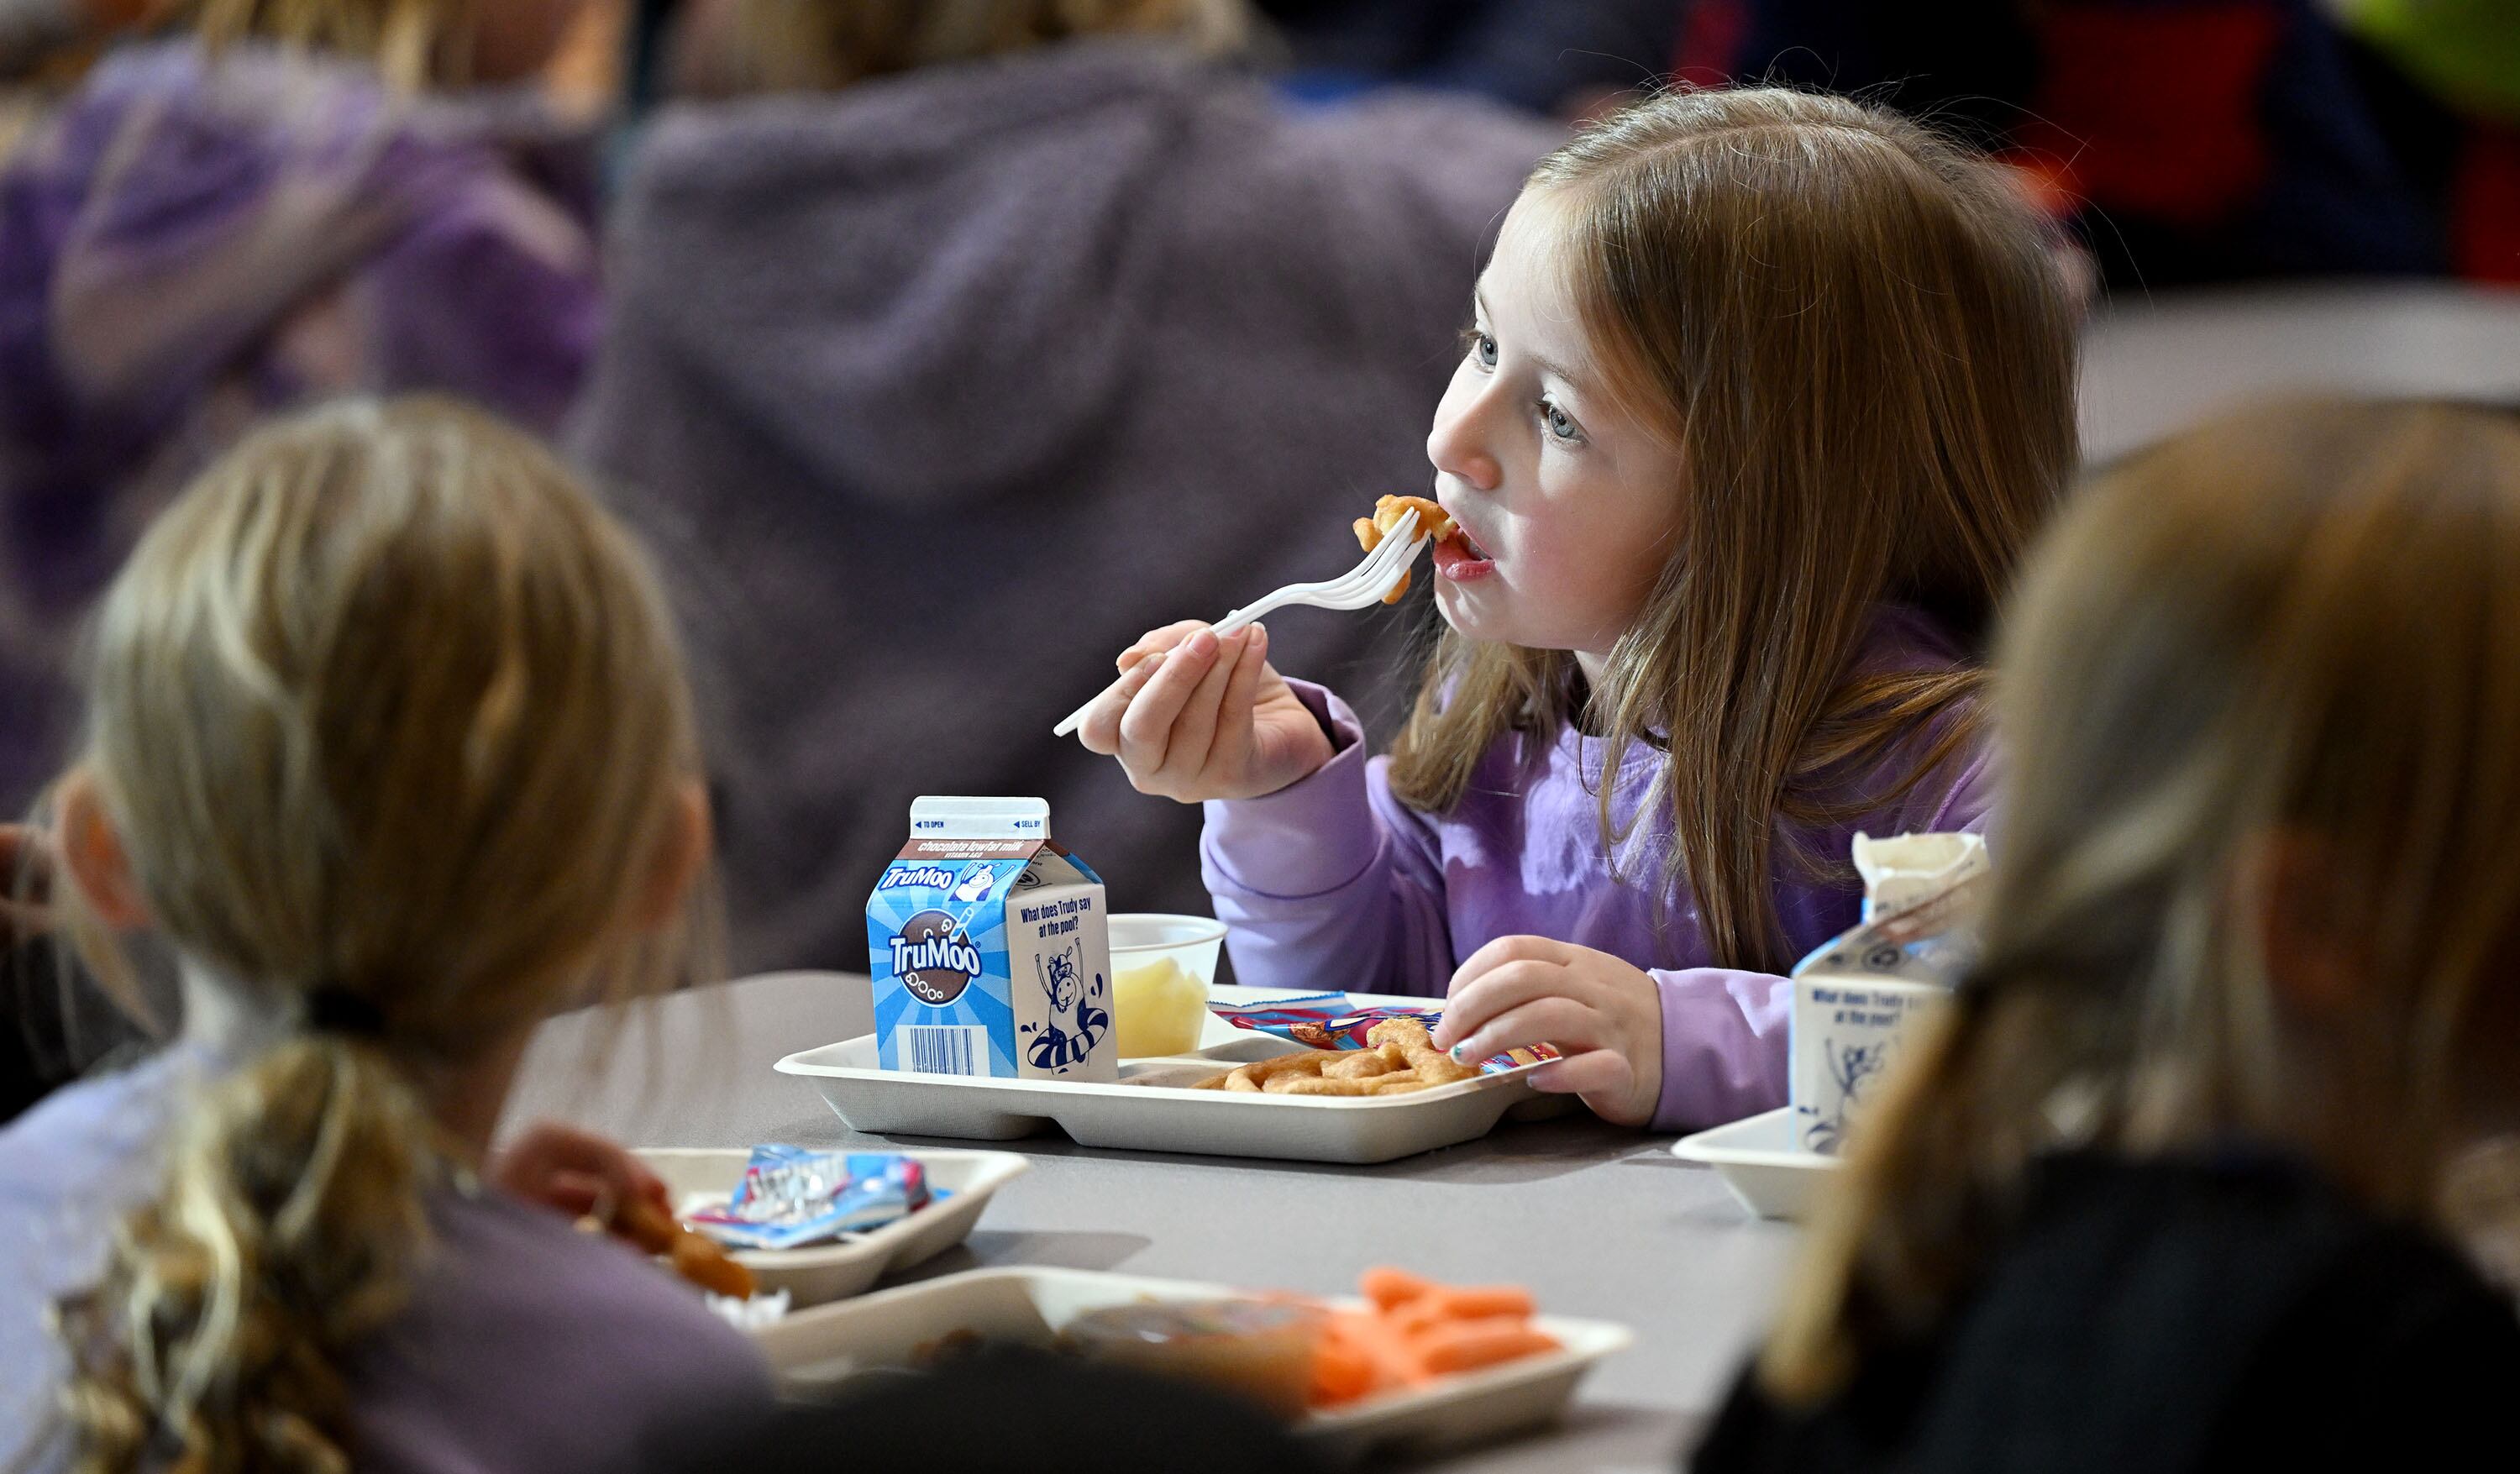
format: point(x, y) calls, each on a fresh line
point(944, 1049)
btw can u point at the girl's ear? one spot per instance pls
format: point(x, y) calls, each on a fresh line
point(681, 852)
point(91, 853)
point(2317, 966)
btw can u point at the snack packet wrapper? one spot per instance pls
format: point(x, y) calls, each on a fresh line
point(1335, 1022)
point(792, 1195)
point(1856, 995)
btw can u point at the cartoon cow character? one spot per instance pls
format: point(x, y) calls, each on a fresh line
point(974, 885)
point(1852, 1066)
point(1064, 982)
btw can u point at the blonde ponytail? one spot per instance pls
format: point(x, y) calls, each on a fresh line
point(289, 1225)
point(390, 723)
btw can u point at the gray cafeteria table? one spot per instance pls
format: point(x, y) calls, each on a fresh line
point(2156, 363)
point(1601, 1222)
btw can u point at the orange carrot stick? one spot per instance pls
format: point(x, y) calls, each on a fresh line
point(1388, 1287)
point(1395, 1361)
point(1467, 1344)
point(1478, 1302)
point(1343, 1370)
point(1413, 1319)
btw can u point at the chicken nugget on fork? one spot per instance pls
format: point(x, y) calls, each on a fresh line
point(1432, 523)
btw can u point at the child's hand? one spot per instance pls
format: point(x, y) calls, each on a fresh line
point(576, 1171)
point(1195, 717)
point(1605, 1015)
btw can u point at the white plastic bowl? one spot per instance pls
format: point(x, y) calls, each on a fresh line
point(1149, 939)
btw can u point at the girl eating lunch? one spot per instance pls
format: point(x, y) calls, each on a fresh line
point(1763, 394)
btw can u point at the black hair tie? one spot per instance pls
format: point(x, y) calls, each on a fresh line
point(332, 1009)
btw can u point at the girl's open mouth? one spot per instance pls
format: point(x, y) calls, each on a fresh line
point(1460, 559)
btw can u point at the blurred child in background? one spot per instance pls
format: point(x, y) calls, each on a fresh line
point(280, 199)
point(390, 744)
point(1007, 317)
point(2166, 1190)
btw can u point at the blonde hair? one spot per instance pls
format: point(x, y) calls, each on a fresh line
point(416, 44)
point(803, 45)
point(2297, 624)
point(384, 708)
point(1856, 336)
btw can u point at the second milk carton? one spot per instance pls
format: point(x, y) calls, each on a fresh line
point(990, 949)
point(1856, 996)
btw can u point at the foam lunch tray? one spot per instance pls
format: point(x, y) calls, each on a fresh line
point(819, 1272)
point(1757, 1158)
point(818, 1350)
point(1151, 1110)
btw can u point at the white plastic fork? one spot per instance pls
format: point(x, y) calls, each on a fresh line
point(1368, 583)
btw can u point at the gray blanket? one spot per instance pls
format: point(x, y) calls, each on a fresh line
point(936, 391)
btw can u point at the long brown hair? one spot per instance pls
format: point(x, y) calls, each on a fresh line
point(384, 708)
point(1856, 335)
point(2301, 623)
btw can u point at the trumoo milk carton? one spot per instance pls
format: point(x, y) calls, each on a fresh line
point(1857, 997)
point(990, 949)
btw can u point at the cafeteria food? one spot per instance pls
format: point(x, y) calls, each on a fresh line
point(1158, 1008)
point(1289, 1354)
point(1432, 523)
point(694, 1256)
point(792, 1196)
point(1400, 1057)
point(1259, 1348)
point(1415, 1332)
point(990, 950)
point(1338, 1021)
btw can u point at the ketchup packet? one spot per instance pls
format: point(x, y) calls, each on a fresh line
point(1336, 1021)
point(793, 1195)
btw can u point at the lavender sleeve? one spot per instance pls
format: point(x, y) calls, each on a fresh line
point(1331, 883)
point(1725, 1032)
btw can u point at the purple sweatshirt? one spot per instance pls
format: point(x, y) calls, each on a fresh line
point(526, 1346)
point(1333, 883)
point(188, 244)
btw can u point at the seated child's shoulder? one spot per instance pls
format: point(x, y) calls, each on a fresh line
point(545, 1290)
point(532, 1345)
point(2256, 1234)
point(89, 1134)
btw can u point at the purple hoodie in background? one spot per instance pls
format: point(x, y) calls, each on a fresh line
point(186, 246)
point(936, 391)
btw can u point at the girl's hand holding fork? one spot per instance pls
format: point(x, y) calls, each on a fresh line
point(1194, 717)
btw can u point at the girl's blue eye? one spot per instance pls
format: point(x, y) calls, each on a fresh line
point(1483, 348)
point(1560, 425)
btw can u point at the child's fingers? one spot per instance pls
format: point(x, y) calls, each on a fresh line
point(1147, 727)
point(1506, 971)
point(1595, 1072)
point(568, 1168)
point(576, 1194)
point(1504, 951)
point(1231, 749)
point(1573, 1027)
point(1100, 732)
point(1153, 640)
point(1195, 730)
